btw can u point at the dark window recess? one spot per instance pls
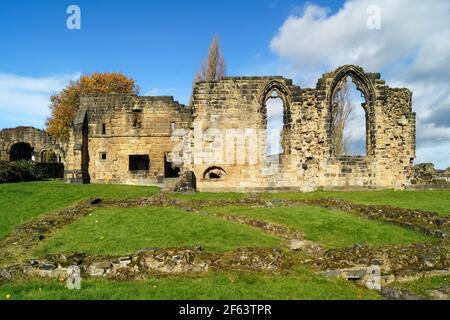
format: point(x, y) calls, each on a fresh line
point(169, 171)
point(103, 156)
point(213, 175)
point(21, 151)
point(139, 163)
point(137, 120)
point(103, 128)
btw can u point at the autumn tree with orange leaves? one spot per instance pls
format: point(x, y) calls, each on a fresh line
point(65, 105)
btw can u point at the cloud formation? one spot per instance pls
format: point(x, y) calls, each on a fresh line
point(411, 49)
point(25, 100)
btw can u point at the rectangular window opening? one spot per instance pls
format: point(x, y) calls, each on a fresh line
point(104, 128)
point(103, 156)
point(139, 163)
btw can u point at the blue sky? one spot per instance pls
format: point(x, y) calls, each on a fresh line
point(158, 43)
point(161, 44)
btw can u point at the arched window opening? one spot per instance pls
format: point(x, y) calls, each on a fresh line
point(349, 119)
point(274, 129)
point(214, 174)
point(21, 151)
point(48, 156)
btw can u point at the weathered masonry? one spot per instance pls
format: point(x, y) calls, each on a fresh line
point(28, 143)
point(308, 160)
point(128, 139)
point(124, 139)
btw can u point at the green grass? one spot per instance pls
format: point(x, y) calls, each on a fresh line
point(421, 286)
point(428, 200)
point(332, 229)
point(123, 231)
point(299, 285)
point(20, 202)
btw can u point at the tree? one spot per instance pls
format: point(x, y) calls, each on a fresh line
point(341, 115)
point(64, 106)
point(213, 67)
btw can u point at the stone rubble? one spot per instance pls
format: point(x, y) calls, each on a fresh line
point(151, 261)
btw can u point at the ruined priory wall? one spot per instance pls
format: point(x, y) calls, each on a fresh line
point(226, 127)
point(390, 135)
point(308, 162)
point(36, 138)
point(238, 103)
point(117, 126)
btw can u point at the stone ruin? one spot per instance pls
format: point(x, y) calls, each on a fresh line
point(31, 144)
point(219, 142)
point(28, 143)
point(124, 139)
point(426, 175)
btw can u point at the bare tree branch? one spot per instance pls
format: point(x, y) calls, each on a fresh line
point(341, 114)
point(213, 67)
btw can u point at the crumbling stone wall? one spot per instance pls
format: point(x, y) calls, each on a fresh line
point(108, 129)
point(229, 116)
point(426, 176)
point(308, 161)
point(224, 145)
point(390, 134)
point(38, 140)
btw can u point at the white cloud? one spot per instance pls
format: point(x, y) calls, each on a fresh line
point(26, 100)
point(407, 27)
point(411, 50)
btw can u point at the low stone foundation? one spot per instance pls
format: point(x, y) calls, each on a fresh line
point(149, 262)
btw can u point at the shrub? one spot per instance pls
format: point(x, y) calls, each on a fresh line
point(18, 171)
point(9, 172)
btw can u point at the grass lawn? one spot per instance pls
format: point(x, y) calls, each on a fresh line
point(20, 202)
point(421, 286)
point(333, 229)
point(120, 231)
point(432, 200)
point(301, 284)
point(124, 231)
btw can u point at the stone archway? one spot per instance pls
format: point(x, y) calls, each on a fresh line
point(48, 156)
point(275, 90)
point(365, 87)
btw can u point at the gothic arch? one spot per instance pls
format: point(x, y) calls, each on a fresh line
point(280, 88)
point(360, 79)
point(48, 155)
point(284, 94)
point(363, 85)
